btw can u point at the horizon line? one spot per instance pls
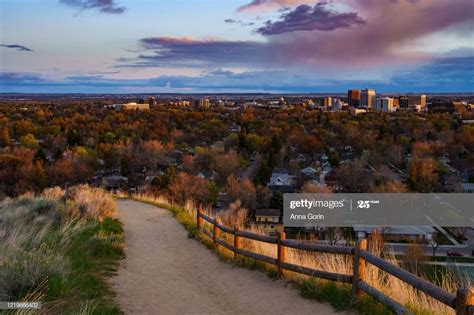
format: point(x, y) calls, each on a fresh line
point(217, 93)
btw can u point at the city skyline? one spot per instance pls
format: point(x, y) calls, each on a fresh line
point(241, 46)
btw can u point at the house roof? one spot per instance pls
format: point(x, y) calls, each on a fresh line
point(282, 178)
point(267, 212)
point(308, 170)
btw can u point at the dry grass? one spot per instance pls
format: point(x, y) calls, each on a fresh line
point(93, 203)
point(342, 264)
point(38, 233)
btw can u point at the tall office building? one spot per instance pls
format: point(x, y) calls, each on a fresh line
point(327, 102)
point(353, 98)
point(204, 103)
point(412, 102)
point(367, 98)
point(423, 101)
point(385, 104)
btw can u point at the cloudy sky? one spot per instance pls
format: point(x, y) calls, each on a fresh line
point(281, 46)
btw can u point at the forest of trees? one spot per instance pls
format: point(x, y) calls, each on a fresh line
point(47, 144)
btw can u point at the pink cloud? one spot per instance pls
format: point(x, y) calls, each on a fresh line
point(355, 34)
point(260, 5)
point(388, 25)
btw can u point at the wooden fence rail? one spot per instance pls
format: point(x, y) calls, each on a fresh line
point(462, 302)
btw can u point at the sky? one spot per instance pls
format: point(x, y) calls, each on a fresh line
point(247, 46)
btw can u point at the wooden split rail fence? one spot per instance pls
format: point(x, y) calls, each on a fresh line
point(462, 302)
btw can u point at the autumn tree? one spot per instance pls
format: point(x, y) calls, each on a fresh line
point(189, 164)
point(352, 177)
point(4, 137)
point(150, 154)
point(60, 172)
point(242, 190)
point(38, 176)
point(16, 166)
point(391, 186)
point(415, 258)
point(110, 154)
point(226, 165)
point(422, 176)
point(29, 141)
point(310, 187)
point(188, 188)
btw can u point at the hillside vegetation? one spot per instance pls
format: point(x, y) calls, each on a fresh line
point(58, 248)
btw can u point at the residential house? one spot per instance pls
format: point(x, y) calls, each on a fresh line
point(234, 128)
point(308, 174)
point(114, 182)
point(283, 181)
point(303, 158)
point(209, 175)
point(269, 220)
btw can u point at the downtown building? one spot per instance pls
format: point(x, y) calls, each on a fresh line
point(416, 103)
point(385, 104)
point(367, 98)
point(203, 103)
point(327, 103)
point(353, 98)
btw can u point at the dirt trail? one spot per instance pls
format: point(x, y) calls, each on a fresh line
point(165, 272)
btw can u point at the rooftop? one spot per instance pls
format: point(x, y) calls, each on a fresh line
point(267, 212)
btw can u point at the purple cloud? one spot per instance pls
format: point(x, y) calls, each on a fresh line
point(17, 47)
point(10, 78)
point(307, 18)
point(239, 22)
point(380, 40)
point(271, 4)
point(296, 40)
point(104, 6)
point(188, 52)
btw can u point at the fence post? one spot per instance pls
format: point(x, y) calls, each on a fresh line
point(464, 300)
point(236, 243)
point(199, 219)
point(216, 230)
point(359, 267)
point(281, 253)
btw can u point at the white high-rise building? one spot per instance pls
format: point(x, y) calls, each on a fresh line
point(385, 104)
point(367, 98)
point(327, 102)
point(204, 103)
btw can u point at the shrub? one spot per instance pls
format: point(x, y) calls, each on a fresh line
point(21, 270)
point(91, 203)
point(47, 208)
point(54, 193)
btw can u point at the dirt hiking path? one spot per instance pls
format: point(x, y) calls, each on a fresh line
point(165, 272)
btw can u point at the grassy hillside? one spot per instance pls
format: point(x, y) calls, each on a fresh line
point(59, 248)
